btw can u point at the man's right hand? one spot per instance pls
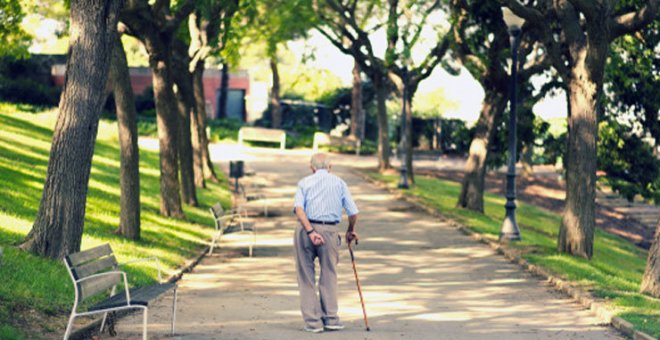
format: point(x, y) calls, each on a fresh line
point(351, 236)
point(316, 238)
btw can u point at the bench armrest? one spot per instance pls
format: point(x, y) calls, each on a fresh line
point(147, 259)
point(123, 274)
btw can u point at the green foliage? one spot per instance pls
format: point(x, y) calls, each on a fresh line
point(632, 78)
point(10, 333)
point(278, 21)
point(554, 149)
point(629, 163)
point(39, 286)
point(224, 129)
point(614, 273)
point(146, 126)
point(25, 81)
point(15, 41)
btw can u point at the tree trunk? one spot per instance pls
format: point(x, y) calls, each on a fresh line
point(408, 144)
point(383, 133)
point(58, 228)
point(651, 279)
point(357, 113)
point(224, 91)
point(276, 109)
point(195, 137)
point(576, 233)
point(526, 160)
point(200, 127)
point(186, 102)
point(472, 187)
point(168, 126)
point(129, 202)
point(436, 134)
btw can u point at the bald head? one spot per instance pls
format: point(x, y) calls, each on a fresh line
point(320, 161)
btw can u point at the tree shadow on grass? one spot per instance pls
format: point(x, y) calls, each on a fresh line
point(23, 127)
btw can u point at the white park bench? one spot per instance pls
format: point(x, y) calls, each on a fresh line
point(322, 138)
point(262, 135)
point(96, 271)
point(232, 222)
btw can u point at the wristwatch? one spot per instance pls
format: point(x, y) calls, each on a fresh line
point(310, 231)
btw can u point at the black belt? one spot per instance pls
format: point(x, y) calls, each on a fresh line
point(323, 222)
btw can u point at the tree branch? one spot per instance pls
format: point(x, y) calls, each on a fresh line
point(588, 7)
point(173, 23)
point(531, 15)
point(434, 58)
point(634, 21)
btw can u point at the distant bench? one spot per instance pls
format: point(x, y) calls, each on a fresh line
point(322, 138)
point(262, 135)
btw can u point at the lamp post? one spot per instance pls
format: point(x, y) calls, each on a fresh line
point(510, 230)
point(403, 180)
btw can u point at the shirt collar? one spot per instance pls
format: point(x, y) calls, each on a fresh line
point(321, 171)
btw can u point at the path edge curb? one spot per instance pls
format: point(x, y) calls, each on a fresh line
point(85, 331)
point(584, 298)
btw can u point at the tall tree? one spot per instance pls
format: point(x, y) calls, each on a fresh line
point(577, 41)
point(651, 279)
point(186, 107)
point(224, 91)
point(404, 23)
point(58, 228)
point(275, 22)
point(210, 28)
point(357, 111)
point(154, 24)
point(275, 106)
point(480, 44)
point(129, 161)
point(336, 21)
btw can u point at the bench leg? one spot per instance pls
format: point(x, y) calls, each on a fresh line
point(173, 311)
point(69, 326)
point(105, 317)
point(212, 244)
point(144, 324)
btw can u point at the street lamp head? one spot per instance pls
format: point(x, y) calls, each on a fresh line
point(513, 22)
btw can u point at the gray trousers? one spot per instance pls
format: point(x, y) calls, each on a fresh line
point(318, 312)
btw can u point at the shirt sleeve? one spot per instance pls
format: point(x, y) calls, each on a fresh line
point(299, 199)
point(347, 201)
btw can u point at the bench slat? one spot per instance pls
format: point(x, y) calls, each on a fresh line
point(263, 135)
point(90, 254)
point(252, 133)
point(98, 284)
point(139, 296)
point(94, 267)
point(217, 210)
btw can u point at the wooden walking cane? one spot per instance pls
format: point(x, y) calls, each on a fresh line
point(357, 281)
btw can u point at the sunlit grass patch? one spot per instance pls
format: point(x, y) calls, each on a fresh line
point(43, 285)
point(614, 273)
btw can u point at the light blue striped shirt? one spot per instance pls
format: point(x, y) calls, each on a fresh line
point(323, 195)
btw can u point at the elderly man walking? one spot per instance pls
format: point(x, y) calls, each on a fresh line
point(318, 205)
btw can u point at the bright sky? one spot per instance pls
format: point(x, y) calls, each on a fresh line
point(462, 88)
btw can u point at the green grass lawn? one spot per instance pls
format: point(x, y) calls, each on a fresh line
point(614, 273)
point(34, 288)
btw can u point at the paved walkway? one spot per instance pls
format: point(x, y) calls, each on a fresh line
point(421, 279)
